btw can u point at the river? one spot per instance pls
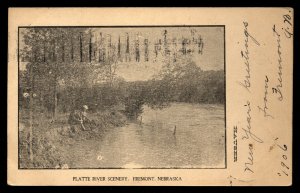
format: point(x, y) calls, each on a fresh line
point(153, 142)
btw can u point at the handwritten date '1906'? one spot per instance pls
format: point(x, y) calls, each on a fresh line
point(284, 167)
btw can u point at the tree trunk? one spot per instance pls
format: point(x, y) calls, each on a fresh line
point(55, 98)
point(110, 74)
point(72, 50)
point(119, 49)
point(80, 45)
point(109, 59)
point(100, 48)
point(31, 107)
point(55, 85)
point(44, 52)
point(90, 49)
point(127, 54)
point(30, 138)
point(146, 50)
point(63, 50)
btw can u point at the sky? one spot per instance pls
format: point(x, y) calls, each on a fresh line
point(212, 57)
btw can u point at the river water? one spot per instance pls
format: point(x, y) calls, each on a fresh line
point(153, 142)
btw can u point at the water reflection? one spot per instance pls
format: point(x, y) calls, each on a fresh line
point(198, 141)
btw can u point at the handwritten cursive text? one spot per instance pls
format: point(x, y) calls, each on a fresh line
point(265, 108)
point(246, 57)
point(277, 88)
point(250, 136)
point(248, 131)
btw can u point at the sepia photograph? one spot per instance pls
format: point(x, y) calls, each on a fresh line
point(150, 96)
point(114, 97)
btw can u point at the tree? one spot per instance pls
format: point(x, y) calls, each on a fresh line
point(31, 53)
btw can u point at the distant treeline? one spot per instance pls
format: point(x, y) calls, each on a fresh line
point(94, 46)
point(186, 84)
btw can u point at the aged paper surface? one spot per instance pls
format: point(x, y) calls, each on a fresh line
point(144, 96)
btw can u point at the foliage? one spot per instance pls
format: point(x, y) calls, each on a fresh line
point(193, 86)
point(65, 70)
point(184, 81)
point(134, 100)
point(57, 58)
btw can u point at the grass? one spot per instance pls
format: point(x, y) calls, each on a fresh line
point(53, 137)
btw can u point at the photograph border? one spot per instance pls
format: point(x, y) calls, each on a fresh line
point(130, 26)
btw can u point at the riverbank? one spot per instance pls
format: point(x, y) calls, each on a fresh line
point(149, 142)
point(51, 139)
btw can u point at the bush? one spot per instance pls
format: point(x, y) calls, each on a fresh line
point(134, 100)
point(45, 153)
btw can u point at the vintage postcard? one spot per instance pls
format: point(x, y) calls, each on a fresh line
point(150, 96)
